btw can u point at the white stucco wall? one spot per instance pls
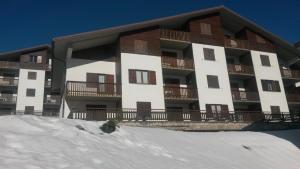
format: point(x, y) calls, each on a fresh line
point(267, 98)
point(132, 93)
point(219, 68)
point(38, 85)
point(77, 70)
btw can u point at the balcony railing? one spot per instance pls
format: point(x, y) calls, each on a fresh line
point(52, 100)
point(180, 93)
point(175, 35)
point(236, 43)
point(8, 81)
point(179, 115)
point(8, 99)
point(288, 73)
point(244, 96)
point(240, 69)
point(10, 65)
point(293, 97)
point(93, 89)
point(174, 63)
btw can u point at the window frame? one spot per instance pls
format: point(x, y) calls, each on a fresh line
point(270, 85)
point(210, 54)
point(31, 75)
point(28, 92)
point(143, 78)
point(210, 81)
point(265, 60)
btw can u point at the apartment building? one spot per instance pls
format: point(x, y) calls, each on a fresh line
point(211, 61)
point(25, 82)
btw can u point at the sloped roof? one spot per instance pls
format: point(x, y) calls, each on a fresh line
point(18, 52)
point(108, 35)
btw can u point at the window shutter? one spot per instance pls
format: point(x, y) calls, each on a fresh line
point(25, 59)
point(141, 46)
point(91, 79)
point(276, 86)
point(132, 76)
point(265, 61)
point(152, 77)
point(205, 28)
point(224, 109)
point(109, 80)
point(39, 59)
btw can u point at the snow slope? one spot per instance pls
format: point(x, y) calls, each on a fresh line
point(30, 142)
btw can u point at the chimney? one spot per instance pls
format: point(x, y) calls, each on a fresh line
point(297, 45)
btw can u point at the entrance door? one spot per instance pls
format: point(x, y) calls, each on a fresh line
point(96, 112)
point(276, 113)
point(143, 110)
point(174, 113)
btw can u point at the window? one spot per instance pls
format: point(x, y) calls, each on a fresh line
point(260, 39)
point(29, 110)
point(270, 85)
point(30, 92)
point(142, 77)
point(31, 75)
point(212, 81)
point(140, 46)
point(32, 59)
point(209, 54)
point(265, 61)
point(275, 109)
point(205, 28)
point(35, 59)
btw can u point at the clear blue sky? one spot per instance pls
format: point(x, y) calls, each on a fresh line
point(34, 22)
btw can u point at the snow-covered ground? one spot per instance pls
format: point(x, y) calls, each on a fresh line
point(30, 142)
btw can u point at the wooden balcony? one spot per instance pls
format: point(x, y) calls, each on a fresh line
point(237, 69)
point(293, 98)
point(174, 63)
point(180, 93)
point(90, 89)
point(52, 100)
point(236, 43)
point(174, 35)
point(8, 81)
point(8, 99)
point(290, 74)
point(244, 96)
point(9, 65)
point(248, 45)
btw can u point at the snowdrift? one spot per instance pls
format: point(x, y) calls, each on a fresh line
point(31, 142)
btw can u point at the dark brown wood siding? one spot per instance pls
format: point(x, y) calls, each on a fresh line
point(253, 39)
point(150, 38)
point(197, 36)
